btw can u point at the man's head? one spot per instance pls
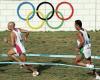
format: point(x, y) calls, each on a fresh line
point(78, 24)
point(11, 25)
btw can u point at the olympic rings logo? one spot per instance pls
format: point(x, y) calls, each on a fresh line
point(42, 16)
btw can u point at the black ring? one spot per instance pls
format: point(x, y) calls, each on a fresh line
point(51, 14)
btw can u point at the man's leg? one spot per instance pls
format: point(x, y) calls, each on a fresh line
point(94, 72)
point(89, 61)
point(29, 67)
point(11, 53)
point(79, 59)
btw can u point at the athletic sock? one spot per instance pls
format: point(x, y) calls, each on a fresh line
point(90, 66)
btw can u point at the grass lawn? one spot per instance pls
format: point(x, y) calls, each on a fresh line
point(49, 43)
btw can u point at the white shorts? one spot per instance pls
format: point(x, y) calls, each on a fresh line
point(87, 51)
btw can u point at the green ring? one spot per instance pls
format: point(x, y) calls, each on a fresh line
point(50, 25)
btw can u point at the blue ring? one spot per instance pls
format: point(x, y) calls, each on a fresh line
point(19, 6)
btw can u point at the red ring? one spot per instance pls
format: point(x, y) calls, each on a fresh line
point(71, 9)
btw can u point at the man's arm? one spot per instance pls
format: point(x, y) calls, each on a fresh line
point(13, 39)
point(81, 39)
point(26, 36)
point(23, 31)
point(26, 33)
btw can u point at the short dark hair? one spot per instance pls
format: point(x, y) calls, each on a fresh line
point(79, 23)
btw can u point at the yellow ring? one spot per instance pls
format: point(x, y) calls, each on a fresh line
point(41, 23)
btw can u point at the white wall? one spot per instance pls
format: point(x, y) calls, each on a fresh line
point(86, 10)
